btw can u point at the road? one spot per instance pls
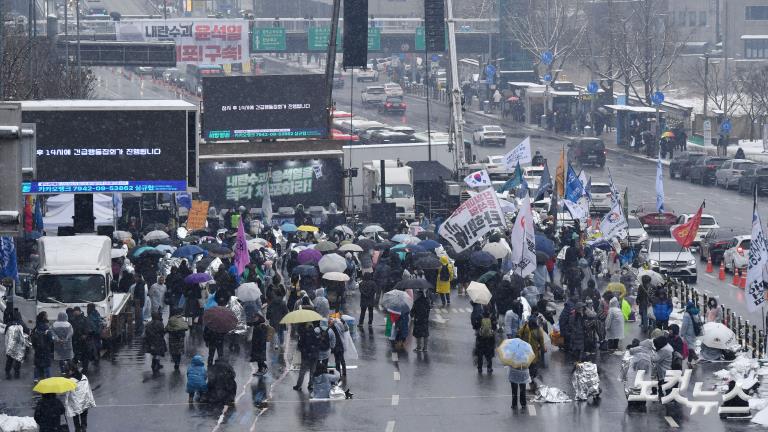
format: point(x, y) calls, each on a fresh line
point(130, 7)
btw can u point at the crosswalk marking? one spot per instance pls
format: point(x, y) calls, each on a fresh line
point(395, 357)
point(395, 400)
point(396, 376)
point(531, 410)
point(672, 423)
point(390, 426)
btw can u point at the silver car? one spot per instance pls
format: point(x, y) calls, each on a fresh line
point(666, 256)
point(731, 171)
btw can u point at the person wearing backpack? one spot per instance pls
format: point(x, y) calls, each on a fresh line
point(444, 279)
point(485, 343)
point(690, 329)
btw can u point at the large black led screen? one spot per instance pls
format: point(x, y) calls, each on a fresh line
point(264, 106)
point(109, 151)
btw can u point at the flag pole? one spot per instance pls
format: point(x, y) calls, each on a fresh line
point(703, 203)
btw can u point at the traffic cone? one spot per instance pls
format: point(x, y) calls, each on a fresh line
point(709, 264)
point(736, 277)
point(743, 284)
point(721, 276)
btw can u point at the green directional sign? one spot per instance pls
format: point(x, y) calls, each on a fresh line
point(317, 38)
point(419, 44)
point(374, 39)
point(268, 39)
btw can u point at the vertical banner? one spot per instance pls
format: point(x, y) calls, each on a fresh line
point(434, 23)
point(355, 33)
point(473, 219)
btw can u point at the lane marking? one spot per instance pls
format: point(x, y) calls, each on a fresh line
point(672, 423)
point(395, 400)
point(396, 375)
point(395, 357)
point(390, 426)
point(531, 410)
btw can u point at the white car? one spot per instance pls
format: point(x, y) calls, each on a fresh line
point(490, 134)
point(367, 74)
point(531, 174)
point(494, 164)
point(636, 232)
point(393, 89)
point(708, 223)
point(601, 196)
point(736, 254)
point(666, 256)
point(373, 95)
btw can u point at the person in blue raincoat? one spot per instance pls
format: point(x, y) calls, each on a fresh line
point(197, 377)
point(662, 308)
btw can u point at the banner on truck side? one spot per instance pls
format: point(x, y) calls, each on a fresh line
point(473, 219)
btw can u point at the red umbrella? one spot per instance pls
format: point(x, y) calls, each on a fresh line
point(220, 319)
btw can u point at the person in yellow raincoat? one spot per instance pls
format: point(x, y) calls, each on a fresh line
point(444, 279)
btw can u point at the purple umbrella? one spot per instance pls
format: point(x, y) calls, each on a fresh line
point(196, 278)
point(309, 256)
point(220, 319)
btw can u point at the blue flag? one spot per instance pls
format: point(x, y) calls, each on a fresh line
point(38, 216)
point(659, 186)
point(523, 192)
point(545, 183)
point(574, 189)
point(515, 181)
point(8, 264)
point(184, 200)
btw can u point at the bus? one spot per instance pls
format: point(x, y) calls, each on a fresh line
point(195, 74)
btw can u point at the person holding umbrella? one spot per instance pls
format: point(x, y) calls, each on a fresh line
point(49, 408)
point(518, 355)
point(217, 322)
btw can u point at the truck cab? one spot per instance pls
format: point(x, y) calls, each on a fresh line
point(398, 187)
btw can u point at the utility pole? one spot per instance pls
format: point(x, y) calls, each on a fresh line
point(706, 82)
point(2, 50)
point(725, 77)
point(457, 133)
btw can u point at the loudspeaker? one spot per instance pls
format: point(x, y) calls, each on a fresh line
point(434, 23)
point(355, 33)
point(105, 230)
point(65, 231)
point(84, 219)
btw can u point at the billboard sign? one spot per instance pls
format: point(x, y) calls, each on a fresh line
point(264, 106)
point(301, 181)
point(88, 151)
point(198, 41)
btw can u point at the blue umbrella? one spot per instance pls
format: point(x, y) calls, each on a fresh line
point(429, 244)
point(288, 227)
point(188, 251)
point(141, 250)
point(516, 353)
point(165, 248)
point(545, 245)
point(482, 259)
point(400, 238)
point(415, 248)
point(304, 271)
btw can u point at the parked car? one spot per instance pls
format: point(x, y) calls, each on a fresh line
point(601, 197)
point(393, 104)
point(373, 95)
point(637, 235)
point(587, 151)
point(731, 171)
point(703, 172)
point(490, 134)
point(393, 89)
point(655, 222)
point(382, 136)
point(708, 223)
point(666, 256)
point(754, 175)
point(367, 74)
point(680, 166)
point(736, 254)
point(714, 244)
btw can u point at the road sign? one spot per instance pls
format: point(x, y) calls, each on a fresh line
point(592, 87)
point(657, 98)
point(419, 44)
point(374, 39)
point(317, 38)
point(548, 78)
point(268, 39)
point(725, 126)
point(490, 71)
point(547, 57)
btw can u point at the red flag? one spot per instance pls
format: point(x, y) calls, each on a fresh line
point(685, 234)
point(29, 222)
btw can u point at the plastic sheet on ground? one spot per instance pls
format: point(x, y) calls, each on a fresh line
point(547, 394)
point(17, 424)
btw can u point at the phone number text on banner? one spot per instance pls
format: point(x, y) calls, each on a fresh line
point(473, 219)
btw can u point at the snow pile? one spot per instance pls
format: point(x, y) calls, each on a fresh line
point(17, 424)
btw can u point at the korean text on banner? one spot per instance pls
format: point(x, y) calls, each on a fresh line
point(473, 219)
point(524, 241)
point(756, 265)
point(520, 154)
point(614, 224)
point(197, 215)
point(198, 41)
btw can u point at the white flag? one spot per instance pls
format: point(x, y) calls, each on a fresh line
point(478, 179)
point(266, 206)
point(579, 210)
point(520, 154)
point(524, 241)
point(614, 224)
point(756, 265)
point(472, 220)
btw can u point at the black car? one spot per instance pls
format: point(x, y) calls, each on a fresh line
point(587, 151)
point(714, 244)
point(392, 104)
point(389, 137)
point(754, 175)
point(703, 172)
point(680, 166)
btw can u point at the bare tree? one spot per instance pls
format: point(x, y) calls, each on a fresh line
point(712, 85)
point(550, 25)
point(755, 103)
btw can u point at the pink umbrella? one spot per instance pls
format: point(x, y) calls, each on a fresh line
point(309, 256)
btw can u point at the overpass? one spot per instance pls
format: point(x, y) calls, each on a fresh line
point(395, 35)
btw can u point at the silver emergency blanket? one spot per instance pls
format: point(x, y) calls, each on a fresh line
point(551, 395)
point(586, 381)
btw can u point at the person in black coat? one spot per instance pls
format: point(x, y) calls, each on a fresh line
point(577, 332)
point(42, 343)
point(222, 387)
point(368, 291)
point(82, 343)
point(309, 346)
point(420, 315)
point(154, 341)
point(381, 277)
point(259, 345)
point(48, 413)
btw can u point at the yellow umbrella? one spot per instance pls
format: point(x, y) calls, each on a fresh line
point(617, 288)
point(301, 316)
point(668, 134)
point(55, 385)
point(308, 228)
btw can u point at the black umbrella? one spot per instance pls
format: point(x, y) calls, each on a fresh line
point(429, 262)
point(386, 244)
point(304, 271)
point(482, 259)
point(203, 264)
point(413, 284)
point(366, 244)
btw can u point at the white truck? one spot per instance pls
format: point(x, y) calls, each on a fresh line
point(74, 271)
point(398, 187)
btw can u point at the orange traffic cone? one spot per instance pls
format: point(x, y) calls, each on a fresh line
point(721, 276)
point(709, 264)
point(743, 284)
point(736, 276)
